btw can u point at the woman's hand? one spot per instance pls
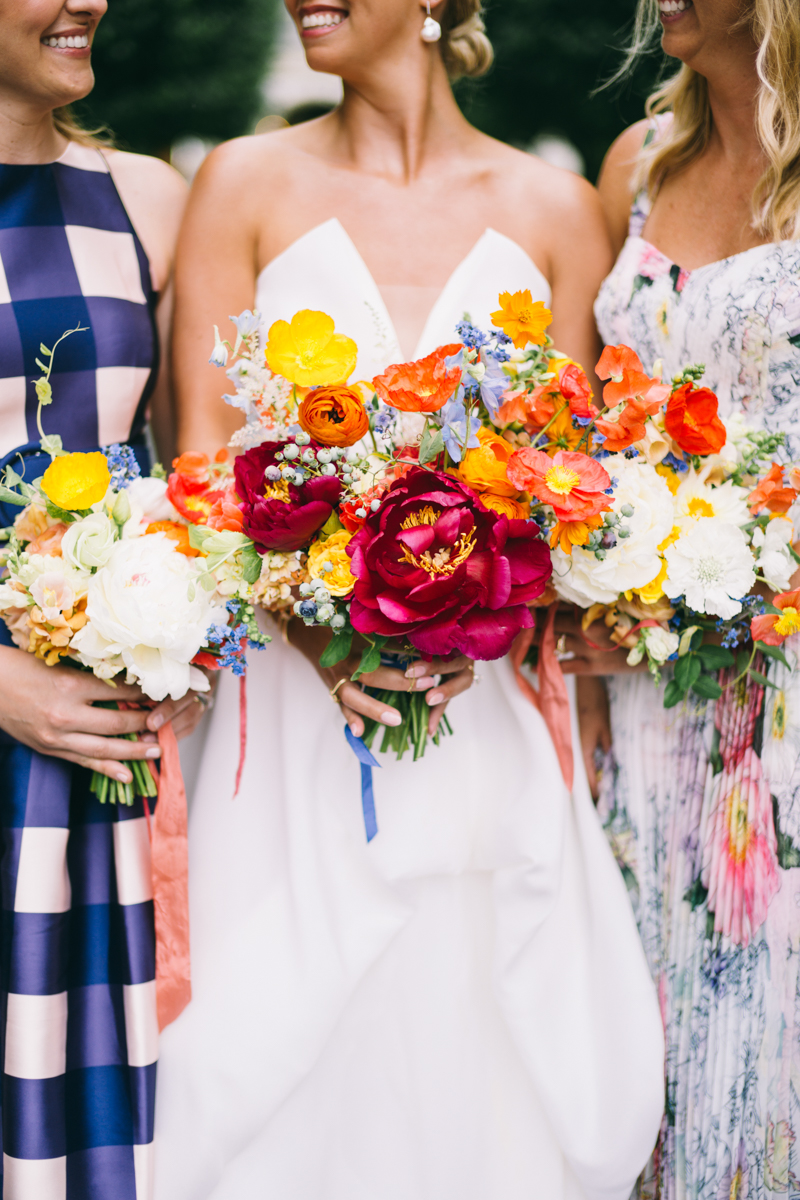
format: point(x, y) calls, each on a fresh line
point(50, 709)
point(356, 704)
point(604, 658)
point(594, 723)
point(186, 713)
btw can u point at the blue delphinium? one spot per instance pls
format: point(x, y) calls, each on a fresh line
point(122, 464)
point(454, 429)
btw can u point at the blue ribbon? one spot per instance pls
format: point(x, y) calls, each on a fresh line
point(368, 761)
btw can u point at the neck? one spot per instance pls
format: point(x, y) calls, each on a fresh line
point(393, 123)
point(27, 135)
point(732, 93)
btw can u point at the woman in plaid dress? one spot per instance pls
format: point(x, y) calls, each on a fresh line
point(86, 236)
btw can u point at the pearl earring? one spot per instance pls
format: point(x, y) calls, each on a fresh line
point(431, 29)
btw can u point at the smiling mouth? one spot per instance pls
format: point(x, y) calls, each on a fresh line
point(317, 21)
point(670, 9)
point(80, 42)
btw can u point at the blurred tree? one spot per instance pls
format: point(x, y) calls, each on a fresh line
point(550, 55)
point(167, 69)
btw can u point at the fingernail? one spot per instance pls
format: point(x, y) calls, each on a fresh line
point(435, 697)
point(123, 777)
point(157, 721)
point(422, 685)
point(391, 718)
point(354, 729)
point(417, 670)
point(153, 752)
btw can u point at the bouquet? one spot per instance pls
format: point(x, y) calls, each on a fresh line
point(698, 519)
point(103, 571)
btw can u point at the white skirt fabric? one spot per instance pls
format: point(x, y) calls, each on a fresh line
point(459, 1010)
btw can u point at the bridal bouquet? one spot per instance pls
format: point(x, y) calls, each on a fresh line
point(102, 571)
point(695, 522)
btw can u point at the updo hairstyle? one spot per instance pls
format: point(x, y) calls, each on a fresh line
point(466, 50)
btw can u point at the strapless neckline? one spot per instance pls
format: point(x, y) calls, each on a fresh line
point(328, 248)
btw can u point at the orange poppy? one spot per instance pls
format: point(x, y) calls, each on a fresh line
point(770, 493)
point(574, 485)
point(774, 629)
point(629, 427)
point(422, 386)
point(692, 422)
point(179, 534)
point(334, 416)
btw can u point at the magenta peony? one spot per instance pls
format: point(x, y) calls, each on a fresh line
point(438, 570)
point(278, 515)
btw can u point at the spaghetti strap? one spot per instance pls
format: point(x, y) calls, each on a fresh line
point(643, 201)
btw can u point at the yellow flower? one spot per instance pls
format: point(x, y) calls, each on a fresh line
point(563, 435)
point(484, 468)
point(333, 550)
point(654, 590)
point(76, 481)
point(308, 352)
point(567, 534)
point(506, 506)
point(523, 320)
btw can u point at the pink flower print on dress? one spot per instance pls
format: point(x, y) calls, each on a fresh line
point(682, 280)
point(740, 865)
point(653, 264)
point(735, 717)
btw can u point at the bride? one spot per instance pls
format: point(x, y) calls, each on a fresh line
point(459, 1010)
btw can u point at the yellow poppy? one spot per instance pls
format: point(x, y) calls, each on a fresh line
point(308, 352)
point(521, 318)
point(76, 481)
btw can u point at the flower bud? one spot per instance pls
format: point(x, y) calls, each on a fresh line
point(375, 505)
point(302, 438)
point(288, 473)
point(273, 473)
point(328, 469)
point(337, 621)
point(324, 455)
point(122, 508)
point(290, 451)
point(308, 455)
point(322, 595)
point(324, 613)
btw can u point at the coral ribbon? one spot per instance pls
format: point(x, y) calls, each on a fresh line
point(169, 851)
point(242, 731)
point(552, 699)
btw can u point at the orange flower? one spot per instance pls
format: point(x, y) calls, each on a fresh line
point(563, 435)
point(515, 510)
point(770, 493)
point(774, 629)
point(334, 416)
point(192, 464)
point(573, 385)
point(521, 319)
point(631, 386)
point(422, 386)
point(226, 514)
point(573, 484)
point(692, 422)
point(628, 427)
point(179, 534)
point(567, 534)
point(48, 542)
point(484, 468)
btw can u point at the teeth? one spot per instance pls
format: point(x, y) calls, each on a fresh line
point(313, 20)
point(67, 43)
point(674, 6)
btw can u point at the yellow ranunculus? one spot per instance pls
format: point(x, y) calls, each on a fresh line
point(307, 352)
point(521, 319)
point(76, 481)
point(484, 468)
point(513, 509)
point(333, 550)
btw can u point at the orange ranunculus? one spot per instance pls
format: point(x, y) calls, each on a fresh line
point(771, 494)
point(48, 542)
point(422, 386)
point(521, 319)
point(515, 510)
point(567, 534)
point(573, 484)
point(334, 416)
point(179, 534)
point(484, 468)
point(226, 514)
point(774, 629)
point(692, 422)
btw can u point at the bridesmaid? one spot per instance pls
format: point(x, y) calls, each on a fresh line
point(86, 235)
point(703, 201)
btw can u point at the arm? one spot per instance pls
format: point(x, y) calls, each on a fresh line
point(615, 184)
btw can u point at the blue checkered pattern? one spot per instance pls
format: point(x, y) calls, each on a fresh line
point(78, 1026)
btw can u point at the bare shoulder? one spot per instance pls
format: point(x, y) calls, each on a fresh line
point(154, 195)
point(616, 183)
point(268, 154)
point(147, 176)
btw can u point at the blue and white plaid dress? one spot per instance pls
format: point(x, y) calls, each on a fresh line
point(77, 962)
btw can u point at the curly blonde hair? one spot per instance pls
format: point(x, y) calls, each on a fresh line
point(68, 125)
point(466, 50)
point(776, 29)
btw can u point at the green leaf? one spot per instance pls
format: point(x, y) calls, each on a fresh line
point(251, 563)
point(40, 365)
point(9, 497)
point(762, 679)
point(198, 535)
point(370, 659)
point(714, 658)
point(697, 640)
point(773, 652)
point(331, 526)
point(707, 687)
point(770, 608)
point(673, 693)
point(431, 445)
point(687, 671)
point(157, 471)
point(742, 659)
point(43, 350)
point(51, 444)
point(337, 648)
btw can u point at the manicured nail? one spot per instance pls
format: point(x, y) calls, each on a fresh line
point(124, 777)
point(417, 670)
point(153, 752)
point(391, 718)
point(157, 721)
point(355, 730)
point(435, 697)
point(427, 681)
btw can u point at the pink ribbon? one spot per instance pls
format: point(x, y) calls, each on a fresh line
point(169, 850)
point(551, 700)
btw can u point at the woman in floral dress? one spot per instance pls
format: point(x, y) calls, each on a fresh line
point(702, 802)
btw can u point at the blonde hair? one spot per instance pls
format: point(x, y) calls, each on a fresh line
point(466, 49)
point(776, 29)
point(68, 125)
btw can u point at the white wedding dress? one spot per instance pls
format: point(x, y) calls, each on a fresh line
point(459, 1010)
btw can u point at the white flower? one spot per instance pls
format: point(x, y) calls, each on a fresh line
point(140, 613)
point(781, 751)
point(89, 542)
point(711, 566)
point(654, 445)
point(219, 355)
point(661, 643)
point(635, 560)
point(696, 499)
point(148, 500)
point(53, 593)
point(775, 561)
point(50, 564)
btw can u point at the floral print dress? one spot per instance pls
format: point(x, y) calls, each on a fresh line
point(702, 802)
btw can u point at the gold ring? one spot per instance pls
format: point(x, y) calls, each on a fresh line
point(332, 693)
point(203, 701)
point(561, 644)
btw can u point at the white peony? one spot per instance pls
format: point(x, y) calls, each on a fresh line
point(711, 566)
point(88, 542)
point(148, 501)
point(775, 561)
point(696, 499)
point(634, 561)
point(140, 613)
